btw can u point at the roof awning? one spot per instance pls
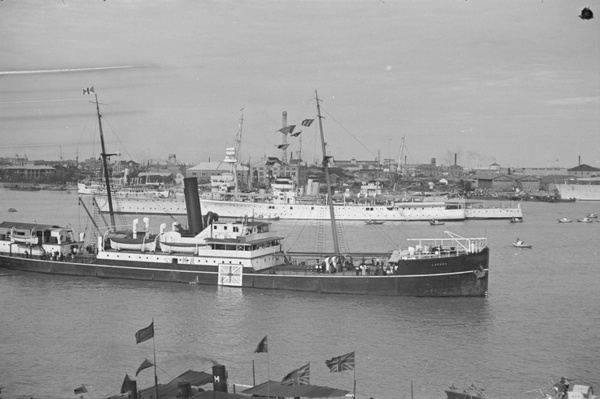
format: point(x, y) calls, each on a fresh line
point(27, 226)
point(276, 389)
point(241, 241)
point(218, 395)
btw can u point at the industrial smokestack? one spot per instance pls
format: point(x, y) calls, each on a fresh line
point(192, 204)
point(579, 161)
point(455, 159)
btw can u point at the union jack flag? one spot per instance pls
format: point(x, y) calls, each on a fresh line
point(341, 363)
point(299, 376)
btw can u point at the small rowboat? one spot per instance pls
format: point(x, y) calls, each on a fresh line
point(25, 239)
point(521, 244)
point(564, 220)
point(434, 222)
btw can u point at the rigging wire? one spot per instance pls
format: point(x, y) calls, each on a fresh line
point(117, 137)
point(349, 133)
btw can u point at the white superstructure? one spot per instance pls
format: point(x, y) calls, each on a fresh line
point(583, 189)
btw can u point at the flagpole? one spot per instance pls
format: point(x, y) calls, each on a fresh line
point(88, 392)
point(268, 376)
point(354, 382)
point(154, 349)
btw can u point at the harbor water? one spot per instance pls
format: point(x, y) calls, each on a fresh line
point(540, 320)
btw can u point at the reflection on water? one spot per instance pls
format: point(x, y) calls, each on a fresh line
point(538, 322)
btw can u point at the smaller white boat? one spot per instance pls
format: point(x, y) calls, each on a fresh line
point(374, 221)
point(133, 240)
point(435, 222)
point(521, 244)
point(585, 220)
point(593, 215)
point(25, 239)
point(516, 220)
point(141, 241)
point(564, 220)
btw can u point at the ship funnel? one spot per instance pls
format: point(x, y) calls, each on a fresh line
point(192, 204)
point(219, 378)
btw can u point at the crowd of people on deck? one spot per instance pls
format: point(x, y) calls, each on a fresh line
point(376, 266)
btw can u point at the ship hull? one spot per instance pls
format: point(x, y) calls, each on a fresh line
point(422, 211)
point(456, 276)
point(486, 212)
point(579, 192)
point(263, 210)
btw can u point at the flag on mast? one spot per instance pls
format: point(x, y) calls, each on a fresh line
point(145, 364)
point(287, 129)
point(341, 363)
point(80, 390)
point(145, 334)
point(299, 376)
point(126, 386)
point(307, 122)
point(263, 346)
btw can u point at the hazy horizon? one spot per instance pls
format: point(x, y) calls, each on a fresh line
point(515, 82)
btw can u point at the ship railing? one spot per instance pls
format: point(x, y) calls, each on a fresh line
point(310, 269)
point(462, 245)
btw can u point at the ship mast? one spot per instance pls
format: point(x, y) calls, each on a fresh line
point(399, 169)
point(238, 138)
point(105, 156)
point(336, 245)
point(237, 155)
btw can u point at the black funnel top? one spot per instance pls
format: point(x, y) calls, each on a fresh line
point(192, 204)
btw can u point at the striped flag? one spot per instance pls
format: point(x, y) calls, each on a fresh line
point(307, 122)
point(272, 161)
point(145, 334)
point(262, 346)
point(287, 129)
point(341, 363)
point(80, 390)
point(299, 376)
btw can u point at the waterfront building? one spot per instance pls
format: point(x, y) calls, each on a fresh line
point(583, 170)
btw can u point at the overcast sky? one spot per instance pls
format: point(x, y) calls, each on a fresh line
point(515, 82)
